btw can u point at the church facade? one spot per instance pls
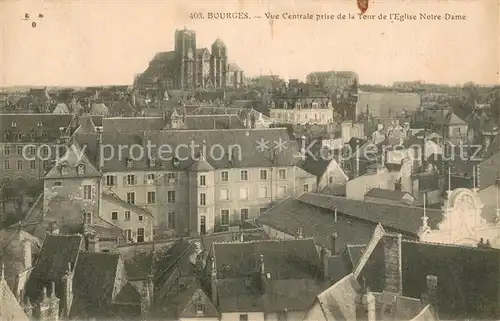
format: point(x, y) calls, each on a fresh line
point(189, 67)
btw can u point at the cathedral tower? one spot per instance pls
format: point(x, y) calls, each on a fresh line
point(185, 49)
point(219, 64)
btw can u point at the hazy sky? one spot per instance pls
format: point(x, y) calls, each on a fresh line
point(108, 41)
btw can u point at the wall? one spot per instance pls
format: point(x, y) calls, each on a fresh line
point(302, 116)
point(66, 202)
point(26, 172)
point(107, 207)
point(358, 187)
point(235, 316)
point(315, 313)
point(335, 172)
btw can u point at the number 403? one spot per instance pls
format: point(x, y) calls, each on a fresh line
point(196, 15)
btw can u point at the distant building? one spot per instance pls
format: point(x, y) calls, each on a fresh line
point(188, 67)
point(387, 104)
point(301, 108)
point(332, 80)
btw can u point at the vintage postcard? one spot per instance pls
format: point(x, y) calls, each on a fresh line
point(249, 160)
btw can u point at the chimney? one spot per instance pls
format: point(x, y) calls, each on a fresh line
point(324, 260)
point(145, 302)
point(93, 243)
point(430, 297)
point(67, 290)
point(299, 233)
point(263, 276)
point(393, 265)
point(370, 305)
point(333, 241)
point(53, 228)
point(335, 215)
point(27, 255)
point(214, 283)
point(285, 314)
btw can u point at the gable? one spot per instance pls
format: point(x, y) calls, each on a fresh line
point(198, 299)
point(73, 157)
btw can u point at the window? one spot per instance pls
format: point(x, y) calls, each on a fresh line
point(81, 169)
point(243, 317)
point(262, 192)
point(130, 179)
point(262, 210)
point(150, 178)
point(45, 164)
point(224, 217)
point(114, 216)
point(19, 165)
point(6, 164)
point(151, 197)
point(87, 192)
point(243, 193)
point(110, 180)
point(171, 220)
point(19, 150)
point(6, 150)
point(32, 164)
point(141, 218)
point(263, 174)
point(203, 199)
point(203, 180)
point(45, 151)
point(330, 180)
point(171, 197)
point(224, 176)
point(128, 235)
point(152, 162)
point(244, 214)
point(203, 225)
point(281, 191)
point(131, 198)
point(224, 194)
point(244, 175)
point(282, 174)
point(58, 183)
point(140, 235)
point(127, 215)
point(64, 169)
point(306, 188)
point(130, 163)
point(87, 217)
point(172, 177)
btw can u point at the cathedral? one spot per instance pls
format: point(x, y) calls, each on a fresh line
point(189, 67)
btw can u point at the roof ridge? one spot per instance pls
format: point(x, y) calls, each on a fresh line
point(450, 245)
point(263, 241)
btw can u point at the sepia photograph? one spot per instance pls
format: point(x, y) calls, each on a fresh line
point(251, 160)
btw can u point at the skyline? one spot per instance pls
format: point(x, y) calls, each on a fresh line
point(97, 43)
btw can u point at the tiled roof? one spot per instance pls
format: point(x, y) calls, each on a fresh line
point(386, 194)
point(213, 122)
point(123, 108)
point(180, 250)
point(338, 301)
point(57, 252)
point(128, 295)
point(132, 124)
point(315, 165)
point(93, 284)
point(238, 143)
point(188, 306)
point(465, 289)
point(10, 310)
point(72, 160)
point(27, 124)
point(166, 55)
point(99, 109)
point(291, 259)
point(139, 266)
point(11, 251)
point(403, 218)
point(291, 215)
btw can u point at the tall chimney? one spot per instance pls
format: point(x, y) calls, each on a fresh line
point(214, 283)
point(67, 291)
point(393, 265)
point(370, 305)
point(431, 296)
point(27, 255)
point(333, 241)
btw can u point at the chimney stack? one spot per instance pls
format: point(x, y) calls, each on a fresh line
point(53, 228)
point(214, 283)
point(370, 305)
point(393, 265)
point(67, 290)
point(431, 296)
point(93, 243)
point(299, 233)
point(27, 255)
point(333, 241)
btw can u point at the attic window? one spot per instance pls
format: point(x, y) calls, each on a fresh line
point(39, 124)
point(81, 169)
point(130, 163)
point(199, 308)
point(176, 162)
point(64, 169)
point(152, 162)
point(14, 124)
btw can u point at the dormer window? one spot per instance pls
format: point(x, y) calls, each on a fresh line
point(176, 162)
point(81, 169)
point(130, 162)
point(39, 124)
point(64, 169)
point(13, 125)
point(152, 162)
